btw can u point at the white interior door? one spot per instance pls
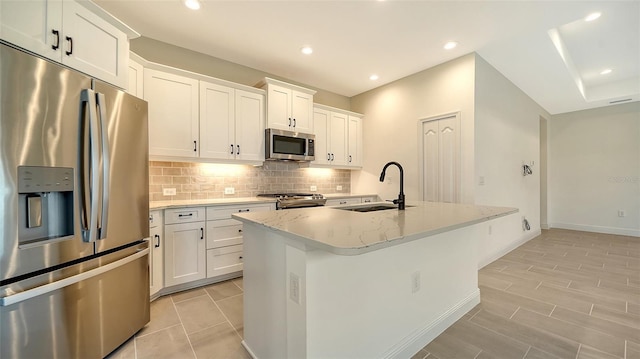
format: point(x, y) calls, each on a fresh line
point(440, 159)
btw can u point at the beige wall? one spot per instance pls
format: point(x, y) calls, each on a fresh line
point(507, 132)
point(170, 55)
point(208, 180)
point(594, 169)
point(390, 126)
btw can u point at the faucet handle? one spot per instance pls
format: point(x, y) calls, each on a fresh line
point(394, 201)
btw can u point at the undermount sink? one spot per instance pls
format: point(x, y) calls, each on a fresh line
point(370, 207)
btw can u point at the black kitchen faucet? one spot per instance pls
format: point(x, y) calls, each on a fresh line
point(400, 200)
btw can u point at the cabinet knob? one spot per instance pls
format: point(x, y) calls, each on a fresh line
point(239, 230)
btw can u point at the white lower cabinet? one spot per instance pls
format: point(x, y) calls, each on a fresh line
point(156, 252)
point(224, 237)
point(185, 246)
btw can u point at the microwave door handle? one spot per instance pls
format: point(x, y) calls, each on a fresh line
point(90, 172)
point(106, 166)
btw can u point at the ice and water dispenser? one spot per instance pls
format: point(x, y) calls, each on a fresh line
point(45, 204)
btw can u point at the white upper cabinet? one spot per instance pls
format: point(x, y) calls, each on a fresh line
point(173, 114)
point(338, 137)
point(289, 107)
point(83, 37)
point(354, 157)
point(249, 126)
point(217, 121)
point(136, 79)
point(231, 123)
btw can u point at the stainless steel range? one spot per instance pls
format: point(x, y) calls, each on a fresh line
point(296, 200)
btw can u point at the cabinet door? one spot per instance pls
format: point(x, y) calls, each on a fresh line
point(249, 126)
point(156, 260)
point(94, 46)
point(31, 25)
point(136, 79)
point(338, 139)
point(355, 142)
point(302, 112)
point(279, 107)
point(217, 130)
point(184, 254)
point(321, 125)
point(173, 114)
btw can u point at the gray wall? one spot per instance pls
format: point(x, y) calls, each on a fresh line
point(170, 55)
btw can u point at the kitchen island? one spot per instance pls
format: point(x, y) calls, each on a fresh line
point(334, 283)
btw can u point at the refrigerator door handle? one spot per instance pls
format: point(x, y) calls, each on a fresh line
point(43, 289)
point(89, 218)
point(105, 168)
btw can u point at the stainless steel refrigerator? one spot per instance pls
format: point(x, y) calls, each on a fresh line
point(74, 205)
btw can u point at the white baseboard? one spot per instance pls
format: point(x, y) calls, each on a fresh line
point(411, 344)
point(527, 237)
point(598, 229)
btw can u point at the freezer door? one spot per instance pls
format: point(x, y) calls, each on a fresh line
point(124, 213)
point(40, 113)
point(85, 315)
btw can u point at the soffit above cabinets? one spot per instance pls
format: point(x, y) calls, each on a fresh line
point(353, 39)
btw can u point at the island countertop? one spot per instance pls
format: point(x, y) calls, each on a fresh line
point(346, 232)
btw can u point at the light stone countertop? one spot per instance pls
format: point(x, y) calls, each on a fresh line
point(351, 233)
point(347, 195)
point(155, 205)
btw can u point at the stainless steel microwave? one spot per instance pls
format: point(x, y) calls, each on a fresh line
point(288, 145)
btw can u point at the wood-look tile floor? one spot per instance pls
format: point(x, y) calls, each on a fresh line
point(564, 294)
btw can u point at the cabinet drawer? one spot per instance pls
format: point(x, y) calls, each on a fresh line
point(224, 232)
point(343, 201)
point(224, 260)
point(155, 219)
point(184, 215)
point(225, 212)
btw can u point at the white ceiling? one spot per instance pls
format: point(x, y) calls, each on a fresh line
point(394, 39)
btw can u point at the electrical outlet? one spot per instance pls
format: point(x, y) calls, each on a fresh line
point(490, 230)
point(314, 188)
point(168, 191)
point(621, 213)
point(229, 190)
point(338, 188)
point(294, 288)
point(415, 282)
point(481, 180)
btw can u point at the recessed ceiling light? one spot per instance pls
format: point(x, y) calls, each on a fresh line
point(192, 4)
point(592, 16)
point(307, 50)
point(373, 77)
point(450, 45)
point(606, 72)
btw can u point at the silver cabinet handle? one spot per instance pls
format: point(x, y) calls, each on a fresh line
point(43, 289)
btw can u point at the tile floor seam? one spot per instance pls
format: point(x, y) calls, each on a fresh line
point(480, 352)
point(227, 318)
point(161, 329)
point(508, 337)
point(188, 339)
point(527, 352)
point(578, 352)
point(554, 308)
point(229, 297)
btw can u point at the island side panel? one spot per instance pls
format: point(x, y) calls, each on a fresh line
point(265, 327)
point(364, 306)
